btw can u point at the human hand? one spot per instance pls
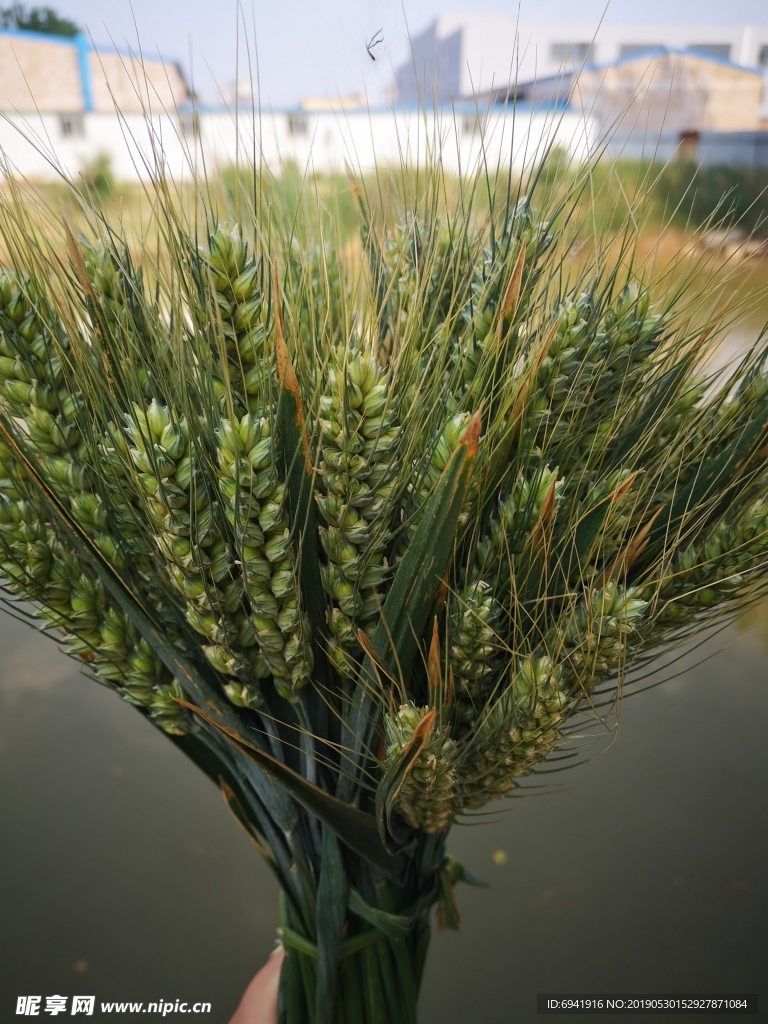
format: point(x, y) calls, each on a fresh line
point(259, 1002)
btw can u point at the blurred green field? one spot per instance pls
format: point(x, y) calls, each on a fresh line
point(678, 197)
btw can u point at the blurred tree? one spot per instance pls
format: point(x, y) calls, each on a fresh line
point(37, 19)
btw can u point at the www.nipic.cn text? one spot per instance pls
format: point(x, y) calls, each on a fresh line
point(37, 1006)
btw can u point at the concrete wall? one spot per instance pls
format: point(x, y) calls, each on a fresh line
point(40, 73)
point(322, 141)
point(713, 149)
point(134, 85)
point(672, 93)
point(54, 75)
point(733, 149)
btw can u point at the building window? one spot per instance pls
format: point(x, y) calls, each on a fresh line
point(190, 125)
point(631, 49)
point(474, 124)
point(575, 53)
point(721, 50)
point(688, 148)
point(297, 124)
point(72, 126)
point(762, 57)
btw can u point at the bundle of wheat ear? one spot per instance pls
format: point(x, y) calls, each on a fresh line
point(368, 529)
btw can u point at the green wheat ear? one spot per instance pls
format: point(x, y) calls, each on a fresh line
point(371, 527)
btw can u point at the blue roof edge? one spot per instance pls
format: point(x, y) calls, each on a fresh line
point(87, 44)
point(654, 51)
point(660, 51)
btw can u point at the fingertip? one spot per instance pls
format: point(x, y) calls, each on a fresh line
point(259, 1002)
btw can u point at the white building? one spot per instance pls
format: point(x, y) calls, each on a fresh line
point(464, 55)
point(323, 141)
point(65, 104)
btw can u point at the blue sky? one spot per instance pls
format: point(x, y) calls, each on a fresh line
point(309, 47)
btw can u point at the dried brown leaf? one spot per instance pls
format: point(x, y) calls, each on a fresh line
point(434, 667)
point(512, 295)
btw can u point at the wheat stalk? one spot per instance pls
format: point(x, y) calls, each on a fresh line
point(364, 527)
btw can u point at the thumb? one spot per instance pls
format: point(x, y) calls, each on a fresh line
point(259, 1002)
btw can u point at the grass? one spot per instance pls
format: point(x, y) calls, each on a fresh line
point(675, 199)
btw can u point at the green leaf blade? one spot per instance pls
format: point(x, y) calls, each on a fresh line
point(331, 913)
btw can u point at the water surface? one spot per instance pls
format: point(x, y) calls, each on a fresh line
point(123, 874)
